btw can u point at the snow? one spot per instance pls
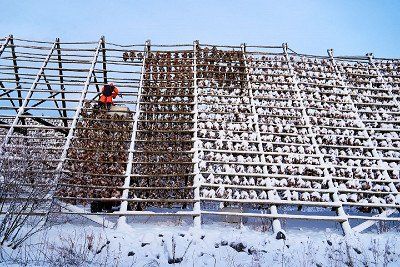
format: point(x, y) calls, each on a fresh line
point(217, 244)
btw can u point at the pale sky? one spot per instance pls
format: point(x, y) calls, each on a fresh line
point(350, 27)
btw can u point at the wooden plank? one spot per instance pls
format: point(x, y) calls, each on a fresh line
point(128, 170)
point(367, 224)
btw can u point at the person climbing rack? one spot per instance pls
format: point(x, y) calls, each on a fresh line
point(108, 93)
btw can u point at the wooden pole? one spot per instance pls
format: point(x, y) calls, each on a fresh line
point(15, 66)
point(3, 46)
point(128, 171)
point(103, 49)
point(62, 87)
point(196, 178)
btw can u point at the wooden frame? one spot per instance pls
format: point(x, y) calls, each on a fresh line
point(70, 77)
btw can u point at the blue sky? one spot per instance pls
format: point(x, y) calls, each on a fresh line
point(309, 26)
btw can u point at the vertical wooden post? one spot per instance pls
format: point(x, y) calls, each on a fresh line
point(196, 178)
point(103, 49)
point(17, 79)
point(148, 46)
point(62, 87)
point(7, 92)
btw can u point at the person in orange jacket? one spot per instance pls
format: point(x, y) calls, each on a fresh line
point(108, 93)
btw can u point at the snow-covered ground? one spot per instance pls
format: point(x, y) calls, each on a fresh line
point(80, 243)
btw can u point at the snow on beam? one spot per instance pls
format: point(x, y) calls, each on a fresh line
point(274, 202)
point(367, 224)
point(155, 214)
point(280, 216)
point(128, 171)
point(268, 187)
point(80, 211)
point(378, 217)
point(196, 178)
point(93, 217)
